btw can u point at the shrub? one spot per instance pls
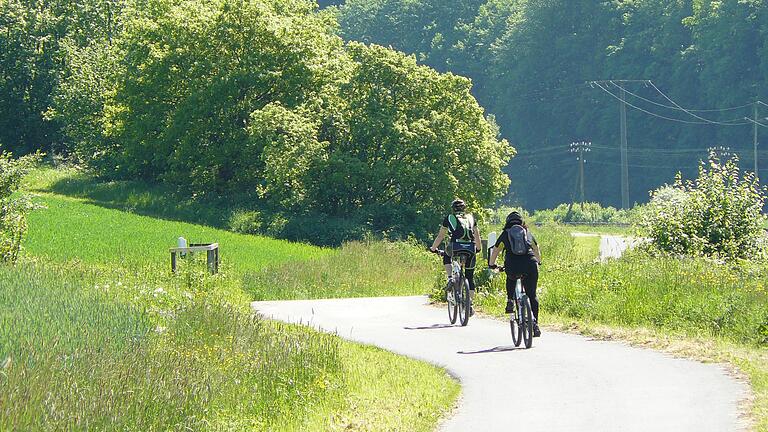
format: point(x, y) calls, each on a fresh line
point(14, 207)
point(718, 214)
point(245, 221)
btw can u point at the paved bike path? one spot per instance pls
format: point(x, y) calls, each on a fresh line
point(564, 383)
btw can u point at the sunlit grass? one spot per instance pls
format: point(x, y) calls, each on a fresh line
point(77, 358)
point(360, 269)
point(99, 334)
point(70, 229)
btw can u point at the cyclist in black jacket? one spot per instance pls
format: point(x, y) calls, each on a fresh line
point(522, 258)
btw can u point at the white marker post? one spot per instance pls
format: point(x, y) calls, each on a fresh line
point(491, 242)
point(182, 243)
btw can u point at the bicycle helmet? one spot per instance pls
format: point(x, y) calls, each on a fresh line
point(458, 205)
point(513, 217)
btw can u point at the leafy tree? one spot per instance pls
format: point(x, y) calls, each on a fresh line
point(261, 98)
point(196, 71)
point(407, 141)
point(427, 28)
point(80, 101)
point(416, 139)
point(32, 60)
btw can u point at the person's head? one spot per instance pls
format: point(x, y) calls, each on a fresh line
point(458, 205)
point(513, 218)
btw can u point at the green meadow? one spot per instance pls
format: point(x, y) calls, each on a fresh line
point(99, 334)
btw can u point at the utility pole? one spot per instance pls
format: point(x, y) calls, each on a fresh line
point(580, 148)
point(623, 147)
point(754, 124)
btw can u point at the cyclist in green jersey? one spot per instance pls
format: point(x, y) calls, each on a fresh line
point(464, 233)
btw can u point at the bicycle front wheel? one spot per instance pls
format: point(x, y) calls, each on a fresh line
point(527, 321)
point(453, 306)
point(464, 301)
point(514, 324)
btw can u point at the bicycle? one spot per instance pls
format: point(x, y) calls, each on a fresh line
point(521, 317)
point(457, 289)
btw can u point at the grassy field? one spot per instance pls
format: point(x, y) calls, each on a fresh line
point(99, 334)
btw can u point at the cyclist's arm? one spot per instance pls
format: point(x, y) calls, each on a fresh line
point(478, 241)
point(536, 250)
point(440, 238)
point(495, 254)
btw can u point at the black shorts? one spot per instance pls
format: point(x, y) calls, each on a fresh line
point(470, 263)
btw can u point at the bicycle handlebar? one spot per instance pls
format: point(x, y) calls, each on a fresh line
point(437, 252)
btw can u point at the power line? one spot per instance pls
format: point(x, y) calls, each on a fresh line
point(756, 122)
point(643, 166)
point(689, 112)
point(731, 122)
point(676, 108)
point(646, 111)
point(664, 151)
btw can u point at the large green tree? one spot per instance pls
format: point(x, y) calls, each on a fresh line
point(196, 71)
point(408, 141)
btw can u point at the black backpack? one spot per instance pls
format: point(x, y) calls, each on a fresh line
point(518, 240)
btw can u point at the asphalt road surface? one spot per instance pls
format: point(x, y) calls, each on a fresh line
point(563, 383)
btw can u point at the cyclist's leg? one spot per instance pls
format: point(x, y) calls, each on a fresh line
point(447, 264)
point(469, 272)
point(510, 285)
point(530, 283)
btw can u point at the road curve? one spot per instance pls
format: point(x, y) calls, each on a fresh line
point(564, 383)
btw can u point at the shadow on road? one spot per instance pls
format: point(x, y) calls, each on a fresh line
point(433, 326)
point(491, 350)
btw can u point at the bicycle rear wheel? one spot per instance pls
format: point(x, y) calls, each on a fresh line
point(464, 301)
point(527, 322)
point(514, 324)
point(453, 306)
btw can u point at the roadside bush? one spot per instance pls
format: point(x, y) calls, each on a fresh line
point(719, 214)
point(14, 206)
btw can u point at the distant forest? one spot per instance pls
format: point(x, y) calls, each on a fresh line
point(532, 62)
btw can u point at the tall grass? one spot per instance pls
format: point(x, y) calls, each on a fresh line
point(98, 334)
point(76, 359)
point(692, 295)
point(359, 269)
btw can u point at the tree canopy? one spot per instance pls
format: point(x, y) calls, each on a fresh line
point(261, 99)
point(531, 63)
